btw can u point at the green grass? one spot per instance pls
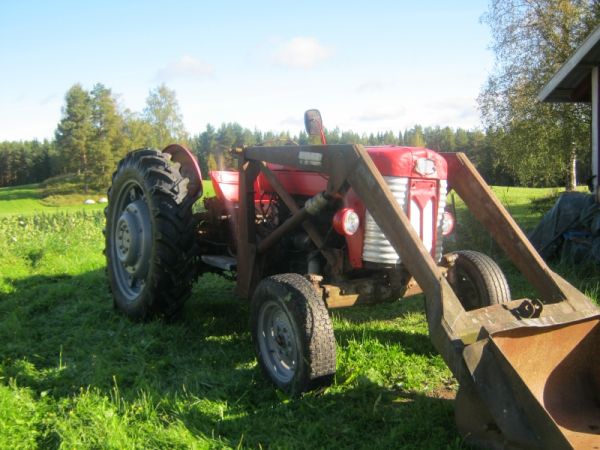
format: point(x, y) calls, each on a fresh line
point(74, 373)
point(31, 199)
point(43, 199)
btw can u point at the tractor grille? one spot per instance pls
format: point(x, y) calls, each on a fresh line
point(440, 217)
point(376, 247)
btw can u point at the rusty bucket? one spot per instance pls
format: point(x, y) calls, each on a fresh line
point(545, 379)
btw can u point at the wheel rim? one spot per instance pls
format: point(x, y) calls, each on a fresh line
point(131, 240)
point(277, 341)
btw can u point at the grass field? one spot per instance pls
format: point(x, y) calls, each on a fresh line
point(76, 374)
point(34, 199)
point(30, 199)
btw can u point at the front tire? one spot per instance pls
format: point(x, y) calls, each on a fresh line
point(148, 234)
point(292, 334)
point(477, 280)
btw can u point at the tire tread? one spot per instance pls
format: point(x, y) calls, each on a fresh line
point(492, 280)
point(312, 318)
point(172, 270)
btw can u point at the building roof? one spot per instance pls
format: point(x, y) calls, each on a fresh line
point(572, 81)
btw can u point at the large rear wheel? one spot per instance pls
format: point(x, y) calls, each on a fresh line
point(292, 334)
point(148, 236)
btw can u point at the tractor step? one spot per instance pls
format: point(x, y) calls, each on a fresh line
point(228, 263)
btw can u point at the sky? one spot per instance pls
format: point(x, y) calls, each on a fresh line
point(369, 66)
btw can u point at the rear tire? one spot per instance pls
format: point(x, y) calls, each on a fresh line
point(292, 334)
point(477, 280)
point(148, 236)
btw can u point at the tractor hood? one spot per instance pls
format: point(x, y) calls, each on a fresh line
point(417, 162)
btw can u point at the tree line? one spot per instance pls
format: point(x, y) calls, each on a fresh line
point(212, 145)
point(94, 133)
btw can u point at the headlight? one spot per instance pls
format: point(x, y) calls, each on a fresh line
point(346, 222)
point(447, 223)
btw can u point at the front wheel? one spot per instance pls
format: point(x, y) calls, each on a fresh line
point(292, 334)
point(477, 280)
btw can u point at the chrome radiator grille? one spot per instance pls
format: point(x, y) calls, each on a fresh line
point(376, 247)
point(440, 217)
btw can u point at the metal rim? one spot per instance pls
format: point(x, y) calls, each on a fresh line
point(131, 240)
point(278, 341)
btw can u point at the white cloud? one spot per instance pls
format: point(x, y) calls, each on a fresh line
point(301, 53)
point(185, 67)
point(373, 86)
point(456, 111)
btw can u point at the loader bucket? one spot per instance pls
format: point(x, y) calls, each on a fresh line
point(545, 379)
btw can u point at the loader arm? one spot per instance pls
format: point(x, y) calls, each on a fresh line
point(477, 345)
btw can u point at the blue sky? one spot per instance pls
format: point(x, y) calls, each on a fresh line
point(368, 66)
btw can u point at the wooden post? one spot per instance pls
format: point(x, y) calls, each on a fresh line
point(596, 129)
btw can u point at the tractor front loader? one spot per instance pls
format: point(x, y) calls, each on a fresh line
point(307, 228)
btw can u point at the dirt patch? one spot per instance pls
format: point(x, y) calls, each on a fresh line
point(445, 392)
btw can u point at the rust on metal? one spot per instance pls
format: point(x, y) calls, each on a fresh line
point(361, 291)
point(412, 288)
point(512, 360)
point(247, 264)
point(487, 209)
point(560, 368)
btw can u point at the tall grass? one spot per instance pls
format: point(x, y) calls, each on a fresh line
point(74, 373)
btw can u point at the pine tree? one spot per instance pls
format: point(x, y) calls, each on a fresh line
point(107, 140)
point(415, 137)
point(74, 131)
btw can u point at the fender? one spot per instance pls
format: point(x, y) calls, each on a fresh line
point(189, 168)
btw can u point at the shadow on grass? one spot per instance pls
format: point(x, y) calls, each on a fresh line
point(363, 416)
point(62, 336)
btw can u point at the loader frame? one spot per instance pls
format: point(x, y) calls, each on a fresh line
point(470, 342)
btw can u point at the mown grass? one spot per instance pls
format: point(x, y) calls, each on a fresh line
point(40, 198)
point(74, 373)
point(31, 199)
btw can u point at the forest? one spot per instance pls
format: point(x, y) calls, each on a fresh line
point(94, 134)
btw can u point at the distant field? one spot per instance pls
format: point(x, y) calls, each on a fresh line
point(518, 202)
point(30, 199)
point(27, 200)
point(74, 373)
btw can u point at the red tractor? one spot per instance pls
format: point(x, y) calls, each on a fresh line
point(307, 228)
